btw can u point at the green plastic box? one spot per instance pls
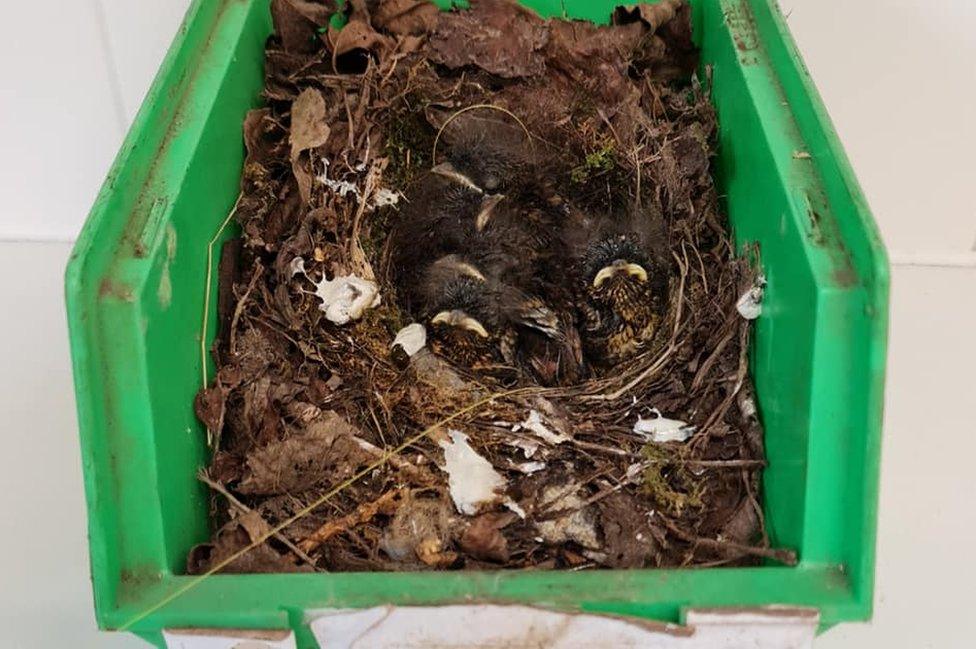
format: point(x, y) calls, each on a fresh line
point(135, 296)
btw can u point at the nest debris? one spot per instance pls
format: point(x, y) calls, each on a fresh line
point(300, 404)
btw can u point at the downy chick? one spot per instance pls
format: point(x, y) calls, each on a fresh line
point(621, 281)
point(476, 320)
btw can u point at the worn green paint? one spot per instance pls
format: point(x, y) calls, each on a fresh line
point(818, 355)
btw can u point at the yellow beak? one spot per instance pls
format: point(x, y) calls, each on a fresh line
point(634, 270)
point(458, 318)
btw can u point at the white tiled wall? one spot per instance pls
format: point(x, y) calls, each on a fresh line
point(74, 74)
point(900, 81)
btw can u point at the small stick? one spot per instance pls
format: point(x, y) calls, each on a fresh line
point(239, 308)
point(362, 514)
point(416, 472)
point(206, 295)
point(713, 357)
point(204, 477)
point(786, 557)
point(740, 379)
point(599, 448)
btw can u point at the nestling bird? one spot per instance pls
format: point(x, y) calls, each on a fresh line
point(474, 252)
point(474, 319)
point(621, 281)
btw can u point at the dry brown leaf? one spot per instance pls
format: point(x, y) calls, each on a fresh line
point(498, 36)
point(406, 17)
point(483, 538)
point(297, 21)
point(324, 452)
point(652, 15)
point(233, 537)
point(309, 130)
point(357, 42)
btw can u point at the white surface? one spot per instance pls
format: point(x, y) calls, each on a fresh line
point(899, 79)
point(927, 521)
point(45, 593)
point(484, 625)
point(195, 639)
point(901, 91)
point(74, 76)
point(138, 35)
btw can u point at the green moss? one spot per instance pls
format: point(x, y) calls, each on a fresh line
point(667, 480)
point(600, 161)
point(409, 144)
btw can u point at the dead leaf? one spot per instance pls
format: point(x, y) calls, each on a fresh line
point(596, 58)
point(233, 537)
point(498, 36)
point(209, 406)
point(324, 452)
point(406, 17)
point(309, 130)
point(483, 538)
point(297, 21)
point(357, 42)
point(652, 15)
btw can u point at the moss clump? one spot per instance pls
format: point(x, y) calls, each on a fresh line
point(668, 481)
point(596, 163)
point(409, 141)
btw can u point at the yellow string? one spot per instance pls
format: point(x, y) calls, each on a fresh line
point(450, 119)
point(196, 581)
point(206, 294)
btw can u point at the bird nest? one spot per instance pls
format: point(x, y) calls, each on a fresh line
point(335, 449)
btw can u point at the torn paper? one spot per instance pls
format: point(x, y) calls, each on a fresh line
point(661, 429)
point(411, 338)
point(472, 480)
point(347, 297)
point(536, 425)
point(750, 303)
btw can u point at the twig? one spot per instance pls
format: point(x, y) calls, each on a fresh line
point(193, 582)
point(599, 448)
point(740, 378)
point(239, 307)
point(784, 556)
point(204, 477)
point(362, 514)
point(418, 473)
point(207, 291)
point(713, 357)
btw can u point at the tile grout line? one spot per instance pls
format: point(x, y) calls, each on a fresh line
point(110, 63)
